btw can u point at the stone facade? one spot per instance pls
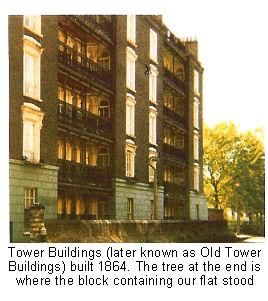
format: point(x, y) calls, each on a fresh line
point(198, 206)
point(44, 178)
point(142, 195)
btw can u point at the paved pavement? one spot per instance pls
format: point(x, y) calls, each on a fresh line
point(247, 238)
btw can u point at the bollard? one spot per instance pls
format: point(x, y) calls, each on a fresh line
point(43, 234)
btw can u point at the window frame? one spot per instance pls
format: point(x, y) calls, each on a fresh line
point(131, 29)
point(130, 124)
point(153, 84)
point(196, 82)
point(32, 48)
point(196, 147)
point(196, 178)
point(131, 58)
point(196, 114)
point(130, 153)
point(152, 126)
point(32, 113)
point(153, 45)
point(35, 19)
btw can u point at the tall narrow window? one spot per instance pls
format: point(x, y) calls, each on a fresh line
point(31, 77)
point(196, 178)
point(130, 208)
point(131, 58)
point(153, 85)
point(196, 83)
point(131, 28)
point(33, 23)
point(196, 147)
point(152, 127)
point(32, 124)
point(130, 116)
point(153, 45)
point(104, 108)
point(130, 160)
point(196, 115)
point(103, 157)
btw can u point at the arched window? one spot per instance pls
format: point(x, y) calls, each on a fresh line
point(104, 108)
point(103, 157)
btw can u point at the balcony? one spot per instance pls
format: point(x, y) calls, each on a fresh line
point(174, 79)
point(99, 24)
point(79, 63)
point(178, 189)
point(175, 117)
point(175, 41)
point(83, 121)
point(174, 154)
point(80, 174)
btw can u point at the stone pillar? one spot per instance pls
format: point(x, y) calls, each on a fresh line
point(37, 222)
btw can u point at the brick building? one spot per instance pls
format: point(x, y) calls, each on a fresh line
point(94, 100)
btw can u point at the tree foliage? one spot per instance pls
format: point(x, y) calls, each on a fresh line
point(234, 168)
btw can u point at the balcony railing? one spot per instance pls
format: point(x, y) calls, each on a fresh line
point(176, 118)
point(175, 41)
point(81, 174)
point(175, 188)
point(175, 79)
point(99, 24)
point(78, 62)
point(175, 152)
point(84, 121)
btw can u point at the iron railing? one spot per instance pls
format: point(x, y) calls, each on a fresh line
point(78, 62)
point(83, 120)
point(82, 174)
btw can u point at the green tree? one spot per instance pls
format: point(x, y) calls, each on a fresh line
point(234, 168)
point(218, 147)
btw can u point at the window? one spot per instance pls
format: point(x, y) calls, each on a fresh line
point(103, 157)
point(152, 163)
point(29, 197)
point(104, 108)
point(153, 45)
point(197, 211)
point(60, 150)
point(32, 124)
point(196, 147)
point(196, 115)
point(196, 178)
point(131, 28)
point(130, 208)
point(130, 160)
point(179, 140)
point(130, 116)
point(196, 83)
point(131, 58)
point(152, 127)
point(153, 85)
point(68, 151)
point(33, 23)
point(31, 65)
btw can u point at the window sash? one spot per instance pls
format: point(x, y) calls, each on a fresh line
point(196, 179)
point(196, 113)
point(153, 45)
point(196, 82)
point(129, 164)
point(28, 139)
point(29, 197)
point(131, 73)
point(152, 87)
point(196, 147)
point(152, 129)
point(131, 28)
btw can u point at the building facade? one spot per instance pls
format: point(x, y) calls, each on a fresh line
point(98, 106)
